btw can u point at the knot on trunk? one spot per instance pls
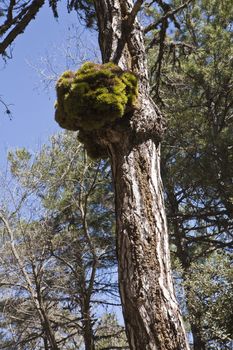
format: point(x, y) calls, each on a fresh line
point(101, 101)
point(94, 96)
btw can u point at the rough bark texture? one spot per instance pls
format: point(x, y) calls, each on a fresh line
point(150, 309)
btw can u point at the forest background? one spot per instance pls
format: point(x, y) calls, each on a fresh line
point(197, 173)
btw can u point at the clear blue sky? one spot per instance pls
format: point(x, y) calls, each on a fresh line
point(32, 107)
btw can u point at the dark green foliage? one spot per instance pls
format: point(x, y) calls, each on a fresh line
point(85, 10)
point(94, 96)
point(53, 5)
point(197, 161)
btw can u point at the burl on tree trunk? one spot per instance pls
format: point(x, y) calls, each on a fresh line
point(150, 309)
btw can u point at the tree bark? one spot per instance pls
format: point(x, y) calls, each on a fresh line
point(150, 309)
point(151, 313)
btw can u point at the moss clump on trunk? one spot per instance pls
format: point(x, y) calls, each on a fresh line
point(94, 96)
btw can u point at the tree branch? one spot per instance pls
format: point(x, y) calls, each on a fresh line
point(20, 27)
point(128, 20)
point(167, 15)
point(132, 15)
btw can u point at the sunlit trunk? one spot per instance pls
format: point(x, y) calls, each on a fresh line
point(150, 309)
point(151, 313)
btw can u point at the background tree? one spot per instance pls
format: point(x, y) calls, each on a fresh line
point(110, 335)
point(62, 253)
point(195, 92)
point(209, 294)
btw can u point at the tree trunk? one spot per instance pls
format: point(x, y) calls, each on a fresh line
point(49, 331)
point(151, 313)
point(88, 335)
point(185, 259)
point(198, 342)
point(39, 302)
point(46, 345)
point(150, 309)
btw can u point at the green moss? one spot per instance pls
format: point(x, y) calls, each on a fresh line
point(94, 96)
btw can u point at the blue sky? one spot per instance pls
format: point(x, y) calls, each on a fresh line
point(32, 106)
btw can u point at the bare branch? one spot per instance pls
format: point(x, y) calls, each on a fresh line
point(21, 25)
point(167, 15)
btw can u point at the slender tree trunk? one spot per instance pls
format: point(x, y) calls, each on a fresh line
point(49, 331)
point(88, 333)
point(45, 321)
point(87, 288)
point(46, 345)
point(185, 260)
point(198, 343)
point(151, 313)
